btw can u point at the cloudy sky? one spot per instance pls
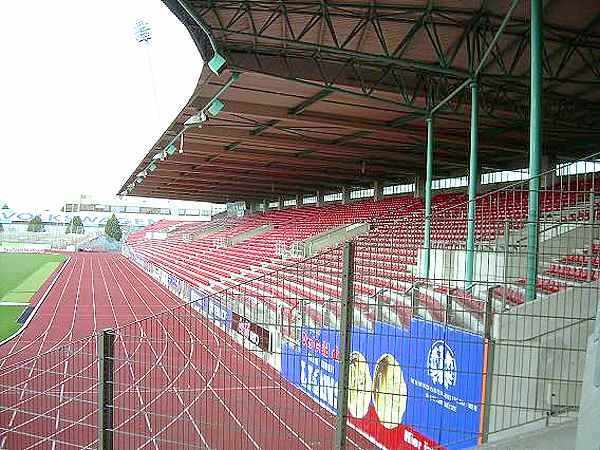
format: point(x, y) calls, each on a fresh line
point(78, 108)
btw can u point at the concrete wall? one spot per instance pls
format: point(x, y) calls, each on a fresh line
point(248, 234)
point(449, 266)
point(205, 232)
point(333, 237)
point(538, 360)
point(588, 429)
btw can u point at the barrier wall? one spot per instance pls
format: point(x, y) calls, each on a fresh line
point(410, 388)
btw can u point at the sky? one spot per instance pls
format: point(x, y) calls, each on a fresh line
point(78, 105)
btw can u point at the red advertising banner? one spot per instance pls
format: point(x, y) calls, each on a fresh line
point(256, 334)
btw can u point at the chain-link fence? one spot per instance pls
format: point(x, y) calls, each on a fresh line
point(379, 341)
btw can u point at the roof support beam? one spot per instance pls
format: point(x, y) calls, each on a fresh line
point(390, 129)
point(299, 109)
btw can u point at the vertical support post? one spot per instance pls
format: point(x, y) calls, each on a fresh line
point(488, 366)
point(591, 221)
point(345, 339)
point(106, 341)
point(265, 205)
point(597, 340)
point(419, 185)
point(298, 200)
point(535, 146)
point(428, 181)
point(345, 195)
point(377, 191)
point(320, 198)
point(473, 178)
point(505, 257)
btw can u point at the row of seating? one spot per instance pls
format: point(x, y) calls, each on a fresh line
point(386, 257)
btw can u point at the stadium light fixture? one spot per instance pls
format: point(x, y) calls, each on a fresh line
point(170, 150)
point(217, 62)
point(143, 32)
point(196, 120)
point(215, 107)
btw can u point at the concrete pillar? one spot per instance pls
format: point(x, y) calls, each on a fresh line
point(320, 198)
point(280, 202)
point(298, 200)
point(251, 207)
point(419, 186)
point(345, 195)
point(588, 432)
point(378, 191)
point(547, 166)
point(265, 204)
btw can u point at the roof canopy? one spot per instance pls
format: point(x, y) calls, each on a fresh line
point(335, 93)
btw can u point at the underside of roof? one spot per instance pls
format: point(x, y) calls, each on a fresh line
point(336, 93)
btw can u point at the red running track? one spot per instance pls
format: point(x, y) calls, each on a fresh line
point(180, 381)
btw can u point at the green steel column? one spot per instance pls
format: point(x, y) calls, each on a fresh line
point(473, 179)
point(535, 146)
point(428, 179)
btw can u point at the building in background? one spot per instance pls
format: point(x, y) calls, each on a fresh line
point(133, 213)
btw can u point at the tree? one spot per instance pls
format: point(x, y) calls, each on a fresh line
point(36, 225)
point(68, 228)
point(1, 228)
point(113, 228)
point(77, 225)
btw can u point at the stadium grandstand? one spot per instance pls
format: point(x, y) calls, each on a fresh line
point(407, 253)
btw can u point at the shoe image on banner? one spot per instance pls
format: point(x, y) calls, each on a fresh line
point(389, 391)
point(360, 385)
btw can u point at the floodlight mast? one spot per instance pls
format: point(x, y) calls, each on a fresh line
point(143, 32)
point(143, 35)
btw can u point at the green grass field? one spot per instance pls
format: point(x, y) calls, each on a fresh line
point(22, 274)
point(8, 320)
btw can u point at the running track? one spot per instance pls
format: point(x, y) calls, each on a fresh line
point(180, 381)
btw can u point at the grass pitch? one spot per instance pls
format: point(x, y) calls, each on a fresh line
point(8, 320)
point(22, 274)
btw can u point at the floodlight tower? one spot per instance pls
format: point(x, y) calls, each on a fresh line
point(143, 34)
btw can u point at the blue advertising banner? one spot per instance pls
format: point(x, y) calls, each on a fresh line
point(417, 388)
point(212, 307)
point(174, 284)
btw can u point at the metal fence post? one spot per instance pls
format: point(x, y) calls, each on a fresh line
point(106, 341)
point(591, 219)
point(488, 371)
point(345, 335)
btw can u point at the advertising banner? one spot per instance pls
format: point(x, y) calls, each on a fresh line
point(164, 278)
point(174, 284)
point(409, 389)
point(212, 307)
point(93, 218)
point(256, 334)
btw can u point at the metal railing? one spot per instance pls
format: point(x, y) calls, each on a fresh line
point(352, 347)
